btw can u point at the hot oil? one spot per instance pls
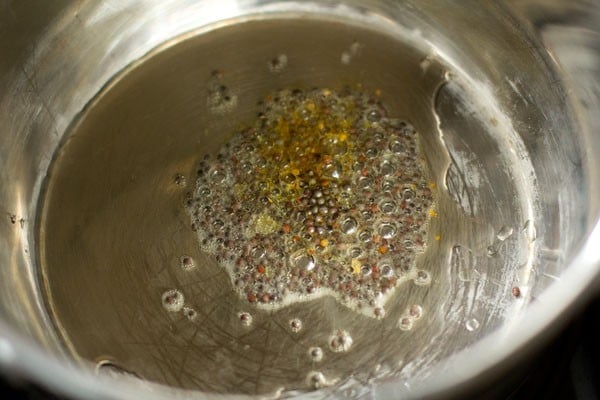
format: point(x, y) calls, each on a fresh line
point(323, 195)
point(189, 237)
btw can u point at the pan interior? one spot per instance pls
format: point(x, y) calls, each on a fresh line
point(114, 227)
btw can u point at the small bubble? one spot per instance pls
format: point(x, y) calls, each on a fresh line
point(387, 186)
point(190, 313)
point(386, 270)
point(349, 226)
point(186, 263)
point(340, 341)
point(365, 235)
point(422, 278)
point(387, 207)
point(172, 300)
point(379, 312)
point(367, 215)
point(504, 233)
point(295, 325)
point(315, 354)
point(303, 260)
point(257, 252)
point(387, 230)
point(245, 318)
point(415, 311)
point(405, 323)
point(373, 116)
point(408, 195)
point(472, 324)
point(333, 170)
point(316, 380)
point(371, 152)
point(180, 180)
point(364, 182)
point(278, 64)
point(218, 176)
point(355, 252)
point(386, 168)
point(397, 147)
point(365, 270)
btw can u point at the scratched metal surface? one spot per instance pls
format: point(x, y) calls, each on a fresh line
point(515, 149)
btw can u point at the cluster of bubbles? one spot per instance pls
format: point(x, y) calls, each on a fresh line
point(412, 313)
point(219, 98)
point(340, 341)
point(323, 195)
point(173, 301)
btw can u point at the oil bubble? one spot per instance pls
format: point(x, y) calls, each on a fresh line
point(180, 180)
point(245, 318)
point(315, 354)
point(316, 380)
point(386, 270)
point(365, 270)
point(387, 230)
point(278, 64)
point(415, 311)
point(340, 341)
point(397, 147)
point(405, 323)
point(349, 226)
point(303, 260)
point(387, 207)
point(257, 252)
point(219, 98)
point(387, 168)
point(186, 263)
point(379, 312)
point(295, 325)
point(355, 252)
point(190, 313)
point(373, 115)
point(472, 324)
point(422, 278)
point(172, 300)
point(365, 235)
point(408, 195)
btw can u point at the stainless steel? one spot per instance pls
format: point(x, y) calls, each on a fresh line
point(505, 96)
